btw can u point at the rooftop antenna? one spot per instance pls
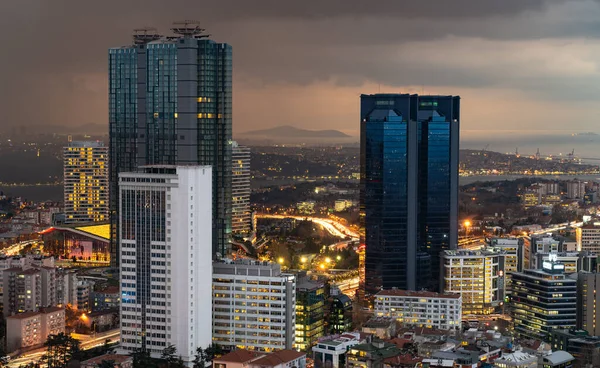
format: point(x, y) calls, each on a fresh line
point(189, 28)
point(144, 35)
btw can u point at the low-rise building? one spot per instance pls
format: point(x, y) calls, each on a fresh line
point(420, 308)
point(108, 298)
point(31, 329)
point(516, 359)
point(331, 352)
point(557, 359)
point(371, 354)
point(242, 358)
point(382, 327)
point(118, 360)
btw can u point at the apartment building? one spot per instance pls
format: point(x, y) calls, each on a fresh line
point(420, 308)
point(254, 306)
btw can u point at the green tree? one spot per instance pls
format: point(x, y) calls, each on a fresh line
point(142, 359)
point(60, 349)
point(169, 356)
point(205, 356)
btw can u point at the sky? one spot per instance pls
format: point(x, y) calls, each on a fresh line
point(520, 66)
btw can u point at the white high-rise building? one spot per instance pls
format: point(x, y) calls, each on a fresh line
point(86, 182)
point(254, 306)
point(166, 258)
point(241, 216)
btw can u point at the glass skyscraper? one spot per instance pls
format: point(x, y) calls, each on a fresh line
point(409, 188)
point(170, 104)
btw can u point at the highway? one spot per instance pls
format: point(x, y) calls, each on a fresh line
point(14, 249)
point(333, 227)
point(87, 342)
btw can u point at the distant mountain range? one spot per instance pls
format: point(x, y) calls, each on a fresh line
point(287, 131)
point(58, 129)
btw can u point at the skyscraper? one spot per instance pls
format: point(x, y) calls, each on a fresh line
point(170, 103)
point(241, 217)
point(409, 187)
point(86, 182)
point(165, 273)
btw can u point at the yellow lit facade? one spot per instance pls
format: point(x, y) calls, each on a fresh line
point(86, 182)
point(478, 276)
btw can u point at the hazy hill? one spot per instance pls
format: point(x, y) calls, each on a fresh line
point(287, 131)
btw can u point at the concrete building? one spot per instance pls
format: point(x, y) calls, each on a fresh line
point(241, 215)
point(516, 359)
point(253, 306)
point(371, 354)
point(66, 288)
point(382, 327)
point(22, 290)
point(108, 298)
point(310, 311)
point(119, 361)
point(86, 182)
point(543, 300)
point(588, 238)
point(420, 308)
point(557, 359)
point(30, 329)
point(242, 358)
point(588, 302)
point(84, 291)
point(331, 352)
point(478, 276)
point(572, 261)
point(166, 244)
point(575, 189)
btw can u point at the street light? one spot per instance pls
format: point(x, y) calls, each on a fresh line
point(303, 259)
point(280, 260)
point(328, 260)
point(339, 258)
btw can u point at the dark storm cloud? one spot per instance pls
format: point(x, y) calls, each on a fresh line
point(54, 52)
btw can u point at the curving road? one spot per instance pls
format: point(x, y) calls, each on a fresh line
point(333, 227)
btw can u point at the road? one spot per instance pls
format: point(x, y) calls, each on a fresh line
point(87, 342)
point(333, 227)
point(14, 249)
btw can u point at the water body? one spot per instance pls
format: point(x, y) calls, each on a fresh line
point(463, 180)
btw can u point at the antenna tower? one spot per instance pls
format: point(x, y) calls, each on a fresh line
point(142, 36)
point(188, 28)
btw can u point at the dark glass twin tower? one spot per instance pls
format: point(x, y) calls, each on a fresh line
point(170, 103)
point(409, 188)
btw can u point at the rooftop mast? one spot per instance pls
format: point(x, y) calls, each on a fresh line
point(189, 28)
point(142, 36)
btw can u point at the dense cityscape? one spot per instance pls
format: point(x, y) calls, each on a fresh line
point(166, 242)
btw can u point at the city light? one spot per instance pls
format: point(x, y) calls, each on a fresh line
point(303, 259)
point(328, 260)
point(339, 258)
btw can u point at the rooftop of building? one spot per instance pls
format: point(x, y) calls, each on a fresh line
point(109, 290)
point(306, 284)
point(51, 310)
point(516, 357)
point(402, 359)
point(87, 144)
point(24, 315)
point(380, 322)
point(559, 357)
point(239, 356)
point(29, 271)
point(473, 253)
point(278, 357)
point(117, 358)
point(336, 340)
point(384, 349)
point(417, 294)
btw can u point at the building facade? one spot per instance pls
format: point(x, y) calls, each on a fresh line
point(85, 182)
point(165, 273)
point(254, 306)
point(588, 238)
point(340, 314)
point(588, 302)
point(543, 300)
point(29, 329)
point(331, 352)
point(310, 312)
point(420, 308)
point(22, 290)
point(170, 103)
point(409, 188)
point(241, 216)
point(478, 276)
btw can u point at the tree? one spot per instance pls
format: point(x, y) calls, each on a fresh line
point(169, 355)
point(142, 359)
point(60, 349)
point(205, 356)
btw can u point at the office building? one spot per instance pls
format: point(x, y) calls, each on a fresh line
point(340, 314)
point(588, 302)
point(310, 312)
point(331, 352)
point(409, 188)
point(29, 329)
point(170, 103)
point(543, 300)
point(588, 238)
point(584, 348)
point(85, 182)
point(165, 273)
point(572, 261)
point(241, 216)
point(420, 308)
point(478, 276)
point(254, 306)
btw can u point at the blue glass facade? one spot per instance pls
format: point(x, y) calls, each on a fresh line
point(409, 187)
point(170, 102)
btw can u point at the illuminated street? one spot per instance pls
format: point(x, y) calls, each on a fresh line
point(87, 342)
point(333, 227)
